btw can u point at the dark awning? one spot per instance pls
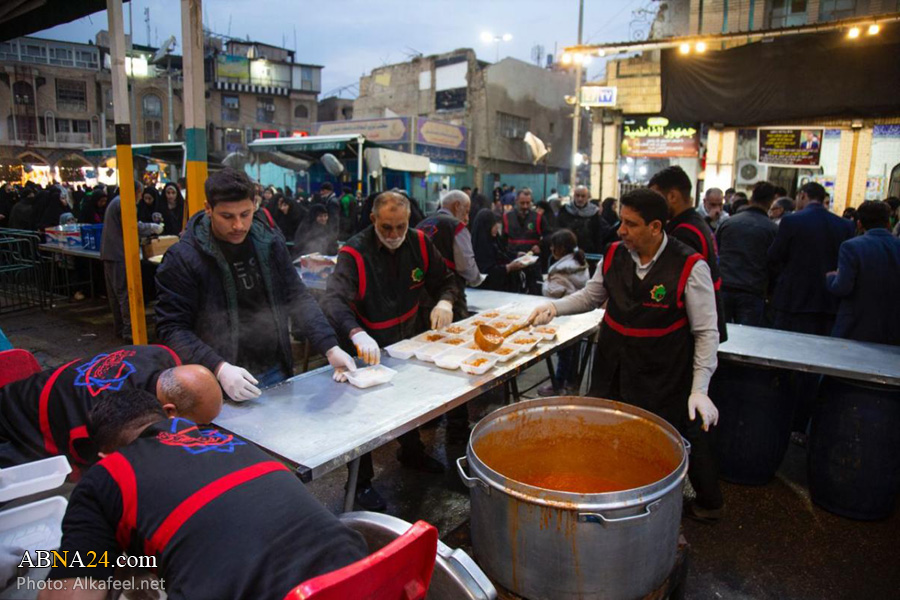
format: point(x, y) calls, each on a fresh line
point(24, 17)
point(788, 78)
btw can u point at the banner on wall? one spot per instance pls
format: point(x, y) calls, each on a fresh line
point(795, 147)
point(657, 137)
point(229, 66)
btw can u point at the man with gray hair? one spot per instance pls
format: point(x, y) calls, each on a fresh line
point(583, 218)
point(448, 232)
point(712, 208)
point(373, 300)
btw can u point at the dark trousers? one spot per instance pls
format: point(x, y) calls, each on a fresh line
point(117, 293)
point(703, 472)
point(804, 386)
point(410, 444)
point(743, 308)
point(567, 366)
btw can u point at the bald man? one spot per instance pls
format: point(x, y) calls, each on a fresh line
point(448, 232)
point(46, 414)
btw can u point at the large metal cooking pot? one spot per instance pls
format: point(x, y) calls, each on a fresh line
point(547, 544)
point(455, 576)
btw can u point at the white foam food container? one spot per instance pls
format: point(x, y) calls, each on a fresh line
point(370, 376)
point(490, 315)
point(424, 337)
point(405, 349)
point(546, 332)
point(457, 341)
point(33, 477)
point(501, 324)
point(514, 350)
point(461, 328)
point(429, 351)
point(518, 340)
point(482, 368)
point(33, 526)
point(451, 359)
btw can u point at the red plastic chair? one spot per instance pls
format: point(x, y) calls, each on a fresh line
point(399, 571)
point(17, 364)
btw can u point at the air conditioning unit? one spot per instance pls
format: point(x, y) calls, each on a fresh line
point(750, 172)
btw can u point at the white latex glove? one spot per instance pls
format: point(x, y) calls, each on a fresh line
point(708, 412)
point(238, 383)
point(156, 228)
point(366, 348)
point(543, 314)
point(341, 361)
point(441, 315)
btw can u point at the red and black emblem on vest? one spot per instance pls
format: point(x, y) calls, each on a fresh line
point(209, 440)
point(105, 372)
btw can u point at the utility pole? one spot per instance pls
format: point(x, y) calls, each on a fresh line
point(576, 120)
point(194, 103)
point(125, 165)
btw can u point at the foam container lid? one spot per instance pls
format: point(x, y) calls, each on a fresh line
point(34, 477)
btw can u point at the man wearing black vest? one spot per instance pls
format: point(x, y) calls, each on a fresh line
point(46, 414)
point(223, 519)
point(658, 339)
point(373, 299)
point(687, 226)
point(524, 230)
point(448, 232)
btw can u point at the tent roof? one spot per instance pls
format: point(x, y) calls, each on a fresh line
point(171, 152)
point(313, 147)
point(23, 17)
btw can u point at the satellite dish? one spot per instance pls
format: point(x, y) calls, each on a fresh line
point(332, 164)
point(164, 50)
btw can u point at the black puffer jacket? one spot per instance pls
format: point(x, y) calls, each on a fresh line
point(197, 311)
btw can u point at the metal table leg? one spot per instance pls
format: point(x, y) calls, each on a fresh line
point(552, 372)
point(351, 485)
point(514, 386)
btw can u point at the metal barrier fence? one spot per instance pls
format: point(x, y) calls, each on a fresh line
point(23, 271)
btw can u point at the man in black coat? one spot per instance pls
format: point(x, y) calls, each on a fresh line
point(227, 289)
point(582, 217)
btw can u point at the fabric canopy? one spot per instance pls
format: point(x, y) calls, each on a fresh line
point(788, 78)
point(382, 158)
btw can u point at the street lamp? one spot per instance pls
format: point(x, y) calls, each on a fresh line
point(489, 38)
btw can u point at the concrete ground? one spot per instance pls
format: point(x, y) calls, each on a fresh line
point(773, 542)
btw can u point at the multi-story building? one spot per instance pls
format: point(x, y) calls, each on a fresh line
point(334, 108)
point(58, 100)
point(469, 117)
point(257, 90)
point(724, 155)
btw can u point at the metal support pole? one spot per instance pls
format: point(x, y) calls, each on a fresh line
point(194, 103)
point(125, 165)
point(351, 485)
point(359, 166)
point(171, 100)
point(576, 121)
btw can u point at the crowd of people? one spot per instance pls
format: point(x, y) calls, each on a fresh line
point(670, 275)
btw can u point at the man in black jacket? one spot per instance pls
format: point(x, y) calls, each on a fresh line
point(226, 291)
point(583, 218)
point(744, 241)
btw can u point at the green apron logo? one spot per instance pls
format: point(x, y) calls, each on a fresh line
point(417, 275)
point(658, 293)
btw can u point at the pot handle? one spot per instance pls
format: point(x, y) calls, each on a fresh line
point(609, 521)
point(462, 464)
point(687, 445)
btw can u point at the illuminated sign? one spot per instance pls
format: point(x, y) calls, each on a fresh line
point(656, 137)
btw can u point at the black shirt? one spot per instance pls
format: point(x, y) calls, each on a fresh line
point(225, 520)
point(46, 414)
point(258, 336)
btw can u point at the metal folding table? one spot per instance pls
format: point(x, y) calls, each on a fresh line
point(318, 425)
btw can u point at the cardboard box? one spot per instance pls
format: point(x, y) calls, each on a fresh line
point(158, 246)
point(66, 236)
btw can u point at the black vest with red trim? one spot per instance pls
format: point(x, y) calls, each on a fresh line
point(224, 519)
point(390, 284)
point(442, 230)
point(646, 349)
point(522, 236)
point(690, 228)
point(47, 414)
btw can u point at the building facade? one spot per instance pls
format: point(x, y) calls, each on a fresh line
point(486, 108)
point(859, 157)
point(56, 98)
